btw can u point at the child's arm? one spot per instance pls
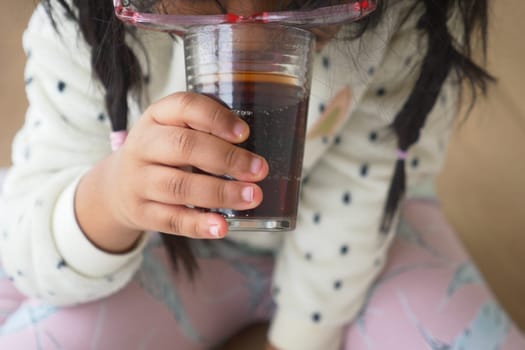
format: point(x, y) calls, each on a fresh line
point(65, 133)
point(75, 209)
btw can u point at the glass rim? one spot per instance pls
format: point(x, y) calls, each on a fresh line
point(329, 15)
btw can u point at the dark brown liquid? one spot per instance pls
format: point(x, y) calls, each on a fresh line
point(276, 111)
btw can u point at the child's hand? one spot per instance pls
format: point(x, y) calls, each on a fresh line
point(151, 182)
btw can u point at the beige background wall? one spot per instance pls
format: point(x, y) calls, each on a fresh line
point(482, 187)
point(12, 101)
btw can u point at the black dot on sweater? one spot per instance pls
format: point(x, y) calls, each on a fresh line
point(344, 249)
point(308, 256)
point(316, 317)
point(19, 273)
point(317, 218)
point(61, 264)
point(347, 198)
point(326, 62)
point(101, 117)
point(408, 61)
point(147, 79)
point(337, 140)
point(371, 71)
point(322, 107)
point(305, 180)
point(27, 153)
point(338, 284)
point(325, 140)
point(28, 81)
point(364, 170)
point(372, 136)
point(381, 92)
point(415, 162)
point(61, 86)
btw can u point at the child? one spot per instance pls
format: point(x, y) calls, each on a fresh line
point(77, 233)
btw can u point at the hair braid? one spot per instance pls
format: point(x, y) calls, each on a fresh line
point(113, 61)
point(108, 58)
point(441, 57)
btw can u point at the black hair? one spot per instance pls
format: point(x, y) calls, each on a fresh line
point(443, 55)
point(116, 66)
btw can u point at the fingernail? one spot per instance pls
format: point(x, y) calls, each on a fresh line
point(214, 231)
point(256, 166)
point(247, 194)
point(239, 129)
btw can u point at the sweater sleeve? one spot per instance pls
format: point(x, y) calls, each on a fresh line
point(66, 131)
point(327, 265)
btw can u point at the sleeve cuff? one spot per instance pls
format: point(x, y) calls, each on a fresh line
point(289, 333)
point(72, 244)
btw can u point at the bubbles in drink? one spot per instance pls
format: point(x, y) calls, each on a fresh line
point(275, 109)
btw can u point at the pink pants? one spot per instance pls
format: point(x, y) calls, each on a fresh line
point(430, 296)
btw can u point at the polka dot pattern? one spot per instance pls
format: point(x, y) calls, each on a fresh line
point(381, 92)
point(61, 86)
point(61, 264)
point(326, 62)
point(364, 170)
point(316, 317)
point(347, 198)
point(306, 179)
point(338, 284)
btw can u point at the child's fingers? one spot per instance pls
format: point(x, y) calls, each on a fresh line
point(177, 146)
point(182, 221)
point(201, 113)
point(174, 186)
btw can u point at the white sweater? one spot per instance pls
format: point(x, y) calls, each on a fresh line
point(324, 267)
